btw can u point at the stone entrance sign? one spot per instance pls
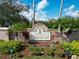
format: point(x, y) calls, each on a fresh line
point(39, 32)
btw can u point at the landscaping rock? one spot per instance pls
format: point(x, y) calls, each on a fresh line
point(74, 57)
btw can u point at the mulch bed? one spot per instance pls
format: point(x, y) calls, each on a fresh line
point(4, 56)
point(25, 52)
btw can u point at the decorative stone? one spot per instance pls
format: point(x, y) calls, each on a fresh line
point(74, 57)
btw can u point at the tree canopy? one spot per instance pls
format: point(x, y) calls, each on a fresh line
point(66, 22)
point(9, 13)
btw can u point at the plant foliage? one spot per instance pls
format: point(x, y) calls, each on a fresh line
point(10, 46)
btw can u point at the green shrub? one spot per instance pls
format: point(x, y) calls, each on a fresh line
point(72, 47)
point(20, 26)
point(59, 51)
point(36, 50)
point(10, 46)
point(48, 50)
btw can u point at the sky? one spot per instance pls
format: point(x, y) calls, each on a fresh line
point(48, 9)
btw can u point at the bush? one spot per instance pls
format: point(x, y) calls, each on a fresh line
point(59, 52)
point(10, 46)
point(36, 50)
point(48, 51)
point(20, 26)
point(51, 50)
point(72, 47)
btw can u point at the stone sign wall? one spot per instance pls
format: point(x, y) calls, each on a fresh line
point(39, 36)
point(39, 32)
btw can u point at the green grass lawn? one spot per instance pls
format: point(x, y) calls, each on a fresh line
point(42, 57)
point(39, 57)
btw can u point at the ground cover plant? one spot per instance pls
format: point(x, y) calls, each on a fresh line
point(8, 47)
point(71, 47)
point(53, 51)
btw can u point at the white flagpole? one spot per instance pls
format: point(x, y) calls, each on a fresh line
point(60, 14)
point(33, 19)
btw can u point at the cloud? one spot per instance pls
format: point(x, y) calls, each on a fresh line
point(72, 7)
point(69, 8)
point(26, 14)
point(70, 11)
point(42, 4)
point(56, 18)
point(40, 15)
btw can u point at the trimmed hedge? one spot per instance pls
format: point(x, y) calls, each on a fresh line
point(10, 47)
